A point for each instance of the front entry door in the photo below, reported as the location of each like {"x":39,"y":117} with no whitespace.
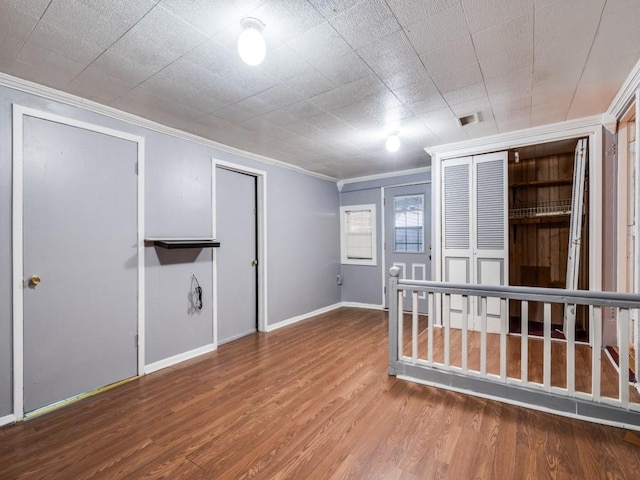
{"x":79,"y":259}
{"x":408,"y":236}
{"x":237,"y":260}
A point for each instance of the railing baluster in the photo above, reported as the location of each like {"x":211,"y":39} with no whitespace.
{"x":465,"y":328}
{"x":595,"y":325}
{"x":400,"y":324}
{"x":483,"y":335}
{"x":503,"y":339}
{"x":447,"y":322}
{"x":524,"y":341}
{"x":546,"y":359}
{"x":623,"y":356}
{"x":570,"y":333}
{"x":431,"y":314}
{"x":414,"y":327}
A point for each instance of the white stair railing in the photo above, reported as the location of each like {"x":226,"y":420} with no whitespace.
{"x":430,"y":355}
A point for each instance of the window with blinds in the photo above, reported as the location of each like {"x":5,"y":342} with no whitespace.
{"x":358,"y":234}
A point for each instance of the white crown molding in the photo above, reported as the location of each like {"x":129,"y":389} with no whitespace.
{"x":626,"y":93}
{"x":517,"y":138}
{"x":380,"y":176}
{"x":75,"y":101}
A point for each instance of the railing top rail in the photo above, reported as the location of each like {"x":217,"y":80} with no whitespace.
{"x":535,"y":294}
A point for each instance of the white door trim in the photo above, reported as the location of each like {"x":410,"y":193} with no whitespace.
{"x":261,"y":197}
{"x":585,"y":128}
{"x":19,"y":112}
{"x":383,"y":233}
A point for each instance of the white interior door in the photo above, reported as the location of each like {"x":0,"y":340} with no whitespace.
{"x":474,"y":229}
{"x":237,"y":258}
{"x":407,"y":243}
{"x":79,"y":261}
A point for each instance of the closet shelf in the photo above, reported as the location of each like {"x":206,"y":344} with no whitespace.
{"x":540,"y":212}
{"x":183,"y":242}
{"x":543,"y":183}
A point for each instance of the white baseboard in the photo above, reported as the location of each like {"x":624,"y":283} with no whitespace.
{"x":236,"y":337}
{"x":181,"y":357}
{"x":370,"y":306}
{"x":7,"y":419}
{"x":304,"y":316}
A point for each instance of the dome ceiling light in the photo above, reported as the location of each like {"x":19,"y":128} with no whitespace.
{"x":393,"y":142}
{"x":251,"y":45}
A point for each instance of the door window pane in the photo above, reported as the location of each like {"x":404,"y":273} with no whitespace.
{"x":409,"y":223}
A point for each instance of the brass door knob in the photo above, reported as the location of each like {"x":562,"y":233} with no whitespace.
{"x":254,"y":263}
{"x":34,"y":280}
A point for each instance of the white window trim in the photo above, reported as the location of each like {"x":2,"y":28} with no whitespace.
{"x":343,"y":235}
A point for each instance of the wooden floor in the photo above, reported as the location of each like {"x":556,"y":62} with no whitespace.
{"x":310,"y":401}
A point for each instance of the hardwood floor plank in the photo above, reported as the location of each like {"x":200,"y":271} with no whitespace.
{"x":310,"y":401}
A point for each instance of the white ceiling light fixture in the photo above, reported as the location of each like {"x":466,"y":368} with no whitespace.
{"x":393,"y":142}
{"x":251,"y":45}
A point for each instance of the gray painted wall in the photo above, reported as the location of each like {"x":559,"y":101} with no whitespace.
{"x":302,"y":237}
{"x":363,"y":283}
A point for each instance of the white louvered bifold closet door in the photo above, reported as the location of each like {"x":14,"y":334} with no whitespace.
{"x":490,"y":227}
{"x":474,"y":229}
{"x":456,"y":218}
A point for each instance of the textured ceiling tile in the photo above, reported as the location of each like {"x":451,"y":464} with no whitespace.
{"x":516,"y":59}
{"x":122,"y":68}
{"x":365,"y":23}
{"x":428,"y":104}
{"x":65,"y":43}
{"x":140,"y":50}
{"x":92,"y":80}
{"x":452,"y":56}
{"x":416,"y":92}
{"x":509,"y":100}
{"x":201,"y":100}
{"x":15,"y":22}
{"x":254,"y":106}
{"x":304,"y":109}
{"x":389,"y":52}
{"x":166,"y":31}
{"x":279,"y":96}
{"x":521,"y":79}
{"x":280,"y":117}
{"x":331,"y":8}
{"x":466,"y":94}
{"x":345,"y":69}
{"x":284,"y":63}
{"x":144,"y":96}
{"x":348,"y":94}
{"x":472,"y":106}
{"x":33,"y":8}
{"x":482,"y":14}
{"x":233,"y":114}
{"x":309,"y":83}
{"x":84,"y":22}
{"x":54,"y":69}
{"x":288,"y":18}
{"x":407,"y":73}
{"x":183,"y":74}
{"x":207,"y":16}
{"x":181,"y":111}
{"x":410,"y":11}
{"x":438,"y":30}
{"x":207,"y":123}
{"x":320,"y":45}
{"x":9,"y":48}
{"x":460,"y":78}
{"x":515,"y":34}
{"x":124,"y":11}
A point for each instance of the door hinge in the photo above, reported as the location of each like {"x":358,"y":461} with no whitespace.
{"x":137,"y":338}
{"x":136,"y":168}
{"x":385,"y":290}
